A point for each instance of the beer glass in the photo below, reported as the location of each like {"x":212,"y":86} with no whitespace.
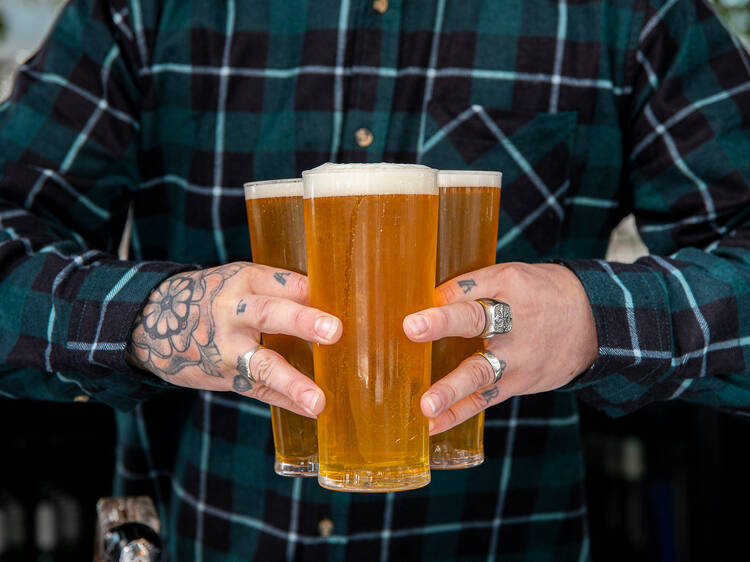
{"x":371,"y":232}
{"x":467,"y":238}
{"x":277,"y":237}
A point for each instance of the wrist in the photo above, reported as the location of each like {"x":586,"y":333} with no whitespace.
{"x":580,"y":317}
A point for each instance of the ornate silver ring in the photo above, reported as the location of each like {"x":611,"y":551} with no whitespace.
{"x":244,"y":363}
{"x":497,"y":366}
{"x":498,"y":318}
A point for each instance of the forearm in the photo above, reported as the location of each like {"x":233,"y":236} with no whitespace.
{"x":67,"y":314}
{"x":664,"y":325}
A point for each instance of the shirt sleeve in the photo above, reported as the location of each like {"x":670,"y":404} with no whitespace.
{"x":679,"y":325}
{"x":68,"y":164}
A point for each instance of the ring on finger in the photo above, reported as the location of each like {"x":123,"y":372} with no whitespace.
{"x":243,"y":365}
{"x":497,"y":365}
{"x":498,"y":318}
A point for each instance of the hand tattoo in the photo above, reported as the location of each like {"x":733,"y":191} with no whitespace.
{"x":241,"y":307}
{"x":281,"y":277}
{"x":467,"y":285}
{"x":241,"y":384}
{"x":490,"y":394}
{"x":176,"y":327}
{"x":241,"y":381}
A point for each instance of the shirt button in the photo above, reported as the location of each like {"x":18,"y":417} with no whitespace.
{"x":380,"y":6}
{"x":81,"y":398}
{"x":364,"y":137}
{"x":325,"y":527}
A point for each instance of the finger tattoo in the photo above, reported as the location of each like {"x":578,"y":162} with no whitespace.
{"x":490,"y":394}
{"x":467,"y":285}
{"x":243,"y":368}
{"x":241,"y":307}
{"x":281,"y":277}
{"x":241,"y":384}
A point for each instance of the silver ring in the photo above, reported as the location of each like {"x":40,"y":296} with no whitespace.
{"x":243,"y":364}
{"x":498,"y":318}
{"x":498,"y":366}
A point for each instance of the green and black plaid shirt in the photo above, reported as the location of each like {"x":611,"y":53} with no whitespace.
{"x":591,"y":109}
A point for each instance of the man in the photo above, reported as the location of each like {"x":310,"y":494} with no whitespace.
{"x":591,"y":110}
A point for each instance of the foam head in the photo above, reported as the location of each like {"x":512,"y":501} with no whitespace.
{"x":273,"y":188}
{"x":331,"y":180}
{"x":469,"y":178}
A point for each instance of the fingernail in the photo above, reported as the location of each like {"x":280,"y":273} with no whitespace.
{"x":325,"y":327}
{"x":310,"y":400}
{"x":417,"y":324}
{"x":434,"y":401}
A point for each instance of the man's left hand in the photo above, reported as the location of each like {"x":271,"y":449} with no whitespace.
{"x":553,"y":338}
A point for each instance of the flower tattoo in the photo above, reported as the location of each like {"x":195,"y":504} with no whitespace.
{"x":168,"y":308}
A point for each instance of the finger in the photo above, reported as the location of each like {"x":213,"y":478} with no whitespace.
{"x":254,"y":390}
{"x":469,"y":286}
{"x":472,"y":375}
{"x":462,"y":319}
{"x":489,"y":281}
{"x":269,"y":369}
{"x":469,"y":407}
{"x":278,"y":282}
{"x":274,"y":315}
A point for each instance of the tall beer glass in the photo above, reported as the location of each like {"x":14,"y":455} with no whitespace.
{"x":277,"y":236}
{"x":467,"y":238}
{"x":371,"y":232}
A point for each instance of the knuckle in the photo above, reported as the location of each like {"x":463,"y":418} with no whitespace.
{"x":440,"y":320}
{"x":448,"y":393}
{"x":476,"y":318}
{"x":515,"y":273}
{"x":451,"y":417}
{"x":480,"y":373}
{"x":263,"y":308}
{"x":302,"y":319}
{"x":294,"y":390}
{"x":299,"y":288}
{"x":264,"y":368}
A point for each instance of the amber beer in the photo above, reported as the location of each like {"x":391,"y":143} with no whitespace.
{"x":277,"y":237}
{"x":371,"y":232}
{"x":467,"y":238}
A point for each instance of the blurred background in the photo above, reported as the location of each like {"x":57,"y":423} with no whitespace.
{"x":664,"y":484}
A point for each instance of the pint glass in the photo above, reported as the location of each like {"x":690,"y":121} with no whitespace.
{"x":467,"y":237}
{"x":277,"y":237}
{"x":371,"y":232}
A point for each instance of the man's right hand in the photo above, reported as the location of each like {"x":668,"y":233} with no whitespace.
{"x":196,"y":326}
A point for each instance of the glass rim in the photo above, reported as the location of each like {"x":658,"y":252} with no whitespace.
{"x":497,"y":177}
{"x":370,"y":178}
{"x":369,"y":167}
{"x":270,"y":189}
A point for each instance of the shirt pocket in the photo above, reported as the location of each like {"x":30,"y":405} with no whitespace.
{"x":533,"y":151}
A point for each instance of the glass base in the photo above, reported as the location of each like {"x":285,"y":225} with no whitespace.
{"x":301,"y":467}
{"x":374,"y":480}
{"x":456,"y":459}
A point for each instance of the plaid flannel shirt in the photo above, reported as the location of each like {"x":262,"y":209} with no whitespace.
{"x":592,"y":110}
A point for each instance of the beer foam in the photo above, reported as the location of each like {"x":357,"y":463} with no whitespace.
{"x":469,"y":178}
{"x":273,"y":188}
{"x":329,"y":180}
